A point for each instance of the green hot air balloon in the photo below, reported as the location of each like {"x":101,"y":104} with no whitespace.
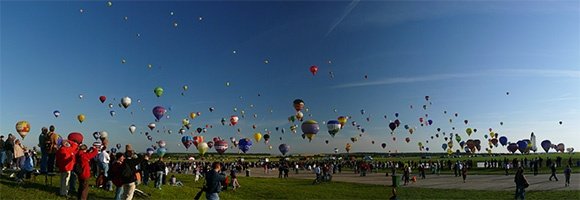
{"x":158,"y":91}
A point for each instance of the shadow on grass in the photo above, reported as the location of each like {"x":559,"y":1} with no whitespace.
{"x":28,"y":184}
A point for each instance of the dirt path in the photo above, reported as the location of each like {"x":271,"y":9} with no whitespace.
{"x":474,"y":182}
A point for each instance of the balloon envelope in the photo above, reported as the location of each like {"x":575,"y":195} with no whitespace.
{"x":202,"y":148}
{"x":503,"y":140}
{"x":284,"y":148}
{"x":245,"y":144}
{"x":221,"y":146}
{"x":333,"y":127}
{"x":158,"y":112}
{"x":22,"y":127}
{"x":546,"y":145}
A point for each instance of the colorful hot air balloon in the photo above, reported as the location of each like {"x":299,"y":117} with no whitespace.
{"x":310,"y":128}
{"x":126,"y":102}
{"x":158,"y":112}
{"x":342,"y":120}
{"x":197,"y":140}
{"x":347,"y":147}
{"x":234,"y":120}
{"x":22,"y":127}
{"x":187,"y":141}
{"x":313,"y":69}
{"x":245,"y":144}
{"x":158,"y":91}
{"x":333,"y":127}
{"x":284,"y":148}
{"x":298,"y":104}
{"x":81,"y":118}
{"x":102,"y":99}
{"x":221,"y":146}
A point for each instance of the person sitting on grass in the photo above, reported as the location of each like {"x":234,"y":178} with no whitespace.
{"x":174,"y":182}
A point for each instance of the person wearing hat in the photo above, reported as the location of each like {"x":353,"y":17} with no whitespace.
{"x":83,"y":158}
{"x":65,"y":160}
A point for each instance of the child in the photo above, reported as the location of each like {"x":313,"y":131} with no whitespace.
{"x":174,"y":182}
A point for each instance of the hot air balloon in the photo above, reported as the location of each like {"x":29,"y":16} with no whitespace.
{"x":126,"y":102}
{"x":22,"y":127}
{"x":266,"y":138}
{"x":313,"y":69}
{"x":384,"y":145}
{"x":221,"y":146}
{"x":151,"y":126}
{"x":522,"y":146}
{"x":202,"y":148}
{"x":392,"y":126}
{"x":234,"y":120}
{"x":284,"y":148}
{"x":158,"y":112}
{"x":161,"y":152}
{"x":494,"y":141}
{"x":102,"y":99}
{"x":197,"y":140}
{"x":546,"y":145}
{"x":310,"y":128}
{"x":408,"y":139}
{"x":81,"y":118}
{"x":298,"y":104}
{"x":210,"y":144}
{"x":258,"y":137}
{"x":503,"y":140}
{"x":444,"y":146}
{"x":342,"y":120}
{"x":299,"y":115}
{"x":396,"y":115}
{"x":56,"y":113}
{"x":335,"y":150}
{"x":468,"y":131}
{"x":132,"y":129}
{"x":411,"y":130}
{"x":245,"y":144}
{"x":187,"y":141}
{"x":347,"y":147}
{"x":560,"y":147}
{"x":75,"y":137}
{"x":353,"y":139}
{"x":158,"y":91}
{"x":333,"y":127}
{"x":112,"y":113}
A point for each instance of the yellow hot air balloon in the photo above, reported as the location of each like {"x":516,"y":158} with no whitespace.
{"x":258,"y":137}
{"x":449,"y":151}
{"x":192,"y":115}
{"x":492,"y":134}
{"x":22,"y":127}
{"x":342,"y":120}
{"x":347,"y":147}
{"x":81,"y":118}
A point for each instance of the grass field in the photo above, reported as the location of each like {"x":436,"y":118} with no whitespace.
{"x":271,"y":188}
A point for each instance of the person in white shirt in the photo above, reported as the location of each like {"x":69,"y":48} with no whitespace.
{"x":104,"y":160}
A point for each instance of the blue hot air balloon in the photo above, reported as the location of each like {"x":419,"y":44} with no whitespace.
{"x":245,"y":144}
{"x":161,"y":151}
{"x":546,"y":144}
{"x":522,"y":146}
{"x":284,"y":148}
{"x":503,"y":140}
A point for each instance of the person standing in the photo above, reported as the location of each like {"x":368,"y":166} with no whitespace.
{"x":567,"y":174}
{"x":159,"y":172}
{"x":18,"y":153}
{"x":213,"y":180}
{"x":44,"y":152}
{"x":553,"y":169}
{"x":2,"y":153}
{"x":51,"y":143}
{"x":521,"y":183}
{"x":65,"y":160}
{"x":234,"y":175}
{"x":9,"y":149}
{"x":83,"y":158}
{"x":464,"y":172}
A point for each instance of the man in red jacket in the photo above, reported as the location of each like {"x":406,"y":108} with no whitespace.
{"x":83,"y":158}
{"x":65,"y":160}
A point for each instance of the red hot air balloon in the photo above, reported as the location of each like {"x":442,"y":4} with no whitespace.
{"x":313,"y":69}
{"x":102,"y":99}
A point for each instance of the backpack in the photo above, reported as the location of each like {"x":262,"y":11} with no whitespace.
{"x":48,"y":142}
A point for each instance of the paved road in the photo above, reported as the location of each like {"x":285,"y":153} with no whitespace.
{"x":474,"y":182}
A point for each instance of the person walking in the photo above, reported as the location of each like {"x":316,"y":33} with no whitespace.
{"x":83,"y":158}
{"x":521,"y":183}
{"x":553,"y":169}
{"x":213,"y":180}
{"x":567,"y":174}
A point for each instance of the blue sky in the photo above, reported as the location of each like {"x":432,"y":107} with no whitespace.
{"x":464,"y":55}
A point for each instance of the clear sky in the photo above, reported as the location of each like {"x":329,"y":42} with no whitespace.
{"x":464,"y":55}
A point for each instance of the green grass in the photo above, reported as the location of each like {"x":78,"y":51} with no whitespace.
{"x":272,"y":188}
